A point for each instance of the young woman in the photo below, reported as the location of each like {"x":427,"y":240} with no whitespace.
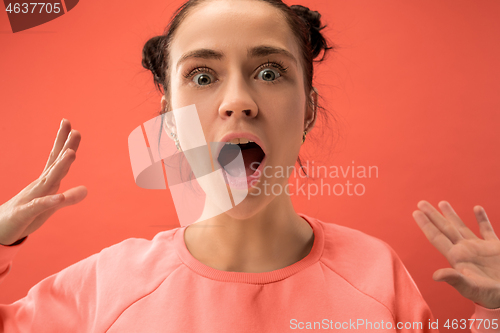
{"x":260,"y":266}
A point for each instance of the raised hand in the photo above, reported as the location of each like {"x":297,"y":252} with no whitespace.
{"x":30,"y":208}
{"x":475,"y":262}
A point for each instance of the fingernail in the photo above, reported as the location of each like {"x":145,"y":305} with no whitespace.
{"x":61,"y":122}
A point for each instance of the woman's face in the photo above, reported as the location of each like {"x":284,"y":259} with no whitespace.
{"x":237,"y":72}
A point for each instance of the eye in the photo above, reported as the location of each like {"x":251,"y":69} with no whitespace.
{"x":271,"y":71}
{"x":201,"y":76}
{"x":202,"y":79}
{"x":268,"y":74}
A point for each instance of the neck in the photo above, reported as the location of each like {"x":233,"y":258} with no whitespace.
{"x":273,"y":238}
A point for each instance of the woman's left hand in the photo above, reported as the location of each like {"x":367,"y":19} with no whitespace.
{"x":475,"y":262}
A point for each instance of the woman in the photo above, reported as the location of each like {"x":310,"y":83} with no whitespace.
{"x":260,"y":266}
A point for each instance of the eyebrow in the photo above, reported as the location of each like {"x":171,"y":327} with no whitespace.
{"x":255,"y":52}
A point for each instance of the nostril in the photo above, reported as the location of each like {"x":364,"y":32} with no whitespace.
{"x":246,"y":112}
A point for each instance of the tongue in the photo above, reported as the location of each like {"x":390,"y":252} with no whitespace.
{"x":252,"y":158}
{"x":250,"y":155}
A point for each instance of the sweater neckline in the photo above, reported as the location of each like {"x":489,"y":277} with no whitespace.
{"x":252,"y":278}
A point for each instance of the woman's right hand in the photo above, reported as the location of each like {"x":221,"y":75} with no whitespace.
{"x":30,"y":208}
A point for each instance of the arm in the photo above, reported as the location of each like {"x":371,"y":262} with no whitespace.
{"x":66,"y":301}
{"x":408,"y":304}
{"x":7,"y":254}
{"x":62,"y":302}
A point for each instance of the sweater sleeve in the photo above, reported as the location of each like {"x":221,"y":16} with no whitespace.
{"x":62,"y":302}
{"x":7,"y":254}
{"x":485,"y":320}
{"x":372,"y":267}
{"x":409,"y":306}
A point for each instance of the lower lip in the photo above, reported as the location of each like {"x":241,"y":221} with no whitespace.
{"x":248,"y":182}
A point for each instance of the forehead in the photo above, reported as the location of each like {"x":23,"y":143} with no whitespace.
{"x":233,"y":26}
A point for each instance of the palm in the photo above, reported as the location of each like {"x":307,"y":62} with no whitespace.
{"x":475,"y":262}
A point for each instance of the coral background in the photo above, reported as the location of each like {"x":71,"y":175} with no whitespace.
{"x":413,"y":86}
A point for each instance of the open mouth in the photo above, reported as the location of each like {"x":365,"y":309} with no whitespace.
{"x":252,"y":157}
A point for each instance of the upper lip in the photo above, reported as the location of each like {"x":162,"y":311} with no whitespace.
{"x":228,"y":137}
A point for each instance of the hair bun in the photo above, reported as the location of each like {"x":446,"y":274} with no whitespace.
{"x":312,"y":19}
{"x":153,"y":58}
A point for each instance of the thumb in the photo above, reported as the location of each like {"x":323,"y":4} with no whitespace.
{"x":74,"y":195}
{"x":450,"y":276}
{"x":22,"y":216}
{"x":466,"y":286}
{"x":30,"y":210}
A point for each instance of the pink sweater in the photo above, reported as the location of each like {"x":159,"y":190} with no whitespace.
{"x":349,"y":281}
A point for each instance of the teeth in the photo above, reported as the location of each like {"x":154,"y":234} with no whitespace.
{"x":236,"y":141}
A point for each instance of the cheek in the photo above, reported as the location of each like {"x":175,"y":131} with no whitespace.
{"x":182,"y":94}
{"x":286,"y":119}
{"x":287,"y":112}
{"x":204,"y":100}
{"x":179,"y":95}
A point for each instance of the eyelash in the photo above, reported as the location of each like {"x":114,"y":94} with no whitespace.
{"x":204,"y":69}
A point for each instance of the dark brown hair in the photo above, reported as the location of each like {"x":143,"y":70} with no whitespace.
{"x":304,"y":23}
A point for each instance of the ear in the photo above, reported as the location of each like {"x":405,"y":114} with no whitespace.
{"x":311,"y":110}
{"x":168,"y":119}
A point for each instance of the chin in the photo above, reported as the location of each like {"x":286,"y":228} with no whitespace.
{"x":248,"y":207}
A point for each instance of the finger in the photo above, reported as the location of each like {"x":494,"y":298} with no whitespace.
{"x":485,"y":227}
{"x":433,"y":234}
{"x":25,"y":214}
{"x":460,"y":282}
{"x":448,"y":275}
{"x":74,"y":196}
{"x":50,"y":182}
{"x":71,"y":197}
{"x":464,"y":284}
{"x":72,"y":142}
{"x":62,"y":135}
{"x":37,"y":188}
{"x":61,"y":169}
{"x":445,"y":226}
{"x":452,"y":216}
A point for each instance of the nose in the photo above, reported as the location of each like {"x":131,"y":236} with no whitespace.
{"x":238,"y":101}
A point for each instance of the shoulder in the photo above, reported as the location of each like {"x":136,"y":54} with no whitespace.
{"x":343,"y":244}
{"x":369,"y":265}
{"x":357,"y":255}
{"x":129,"y":269}
{"x":132,"y":253}
{"x":118,"y":274}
